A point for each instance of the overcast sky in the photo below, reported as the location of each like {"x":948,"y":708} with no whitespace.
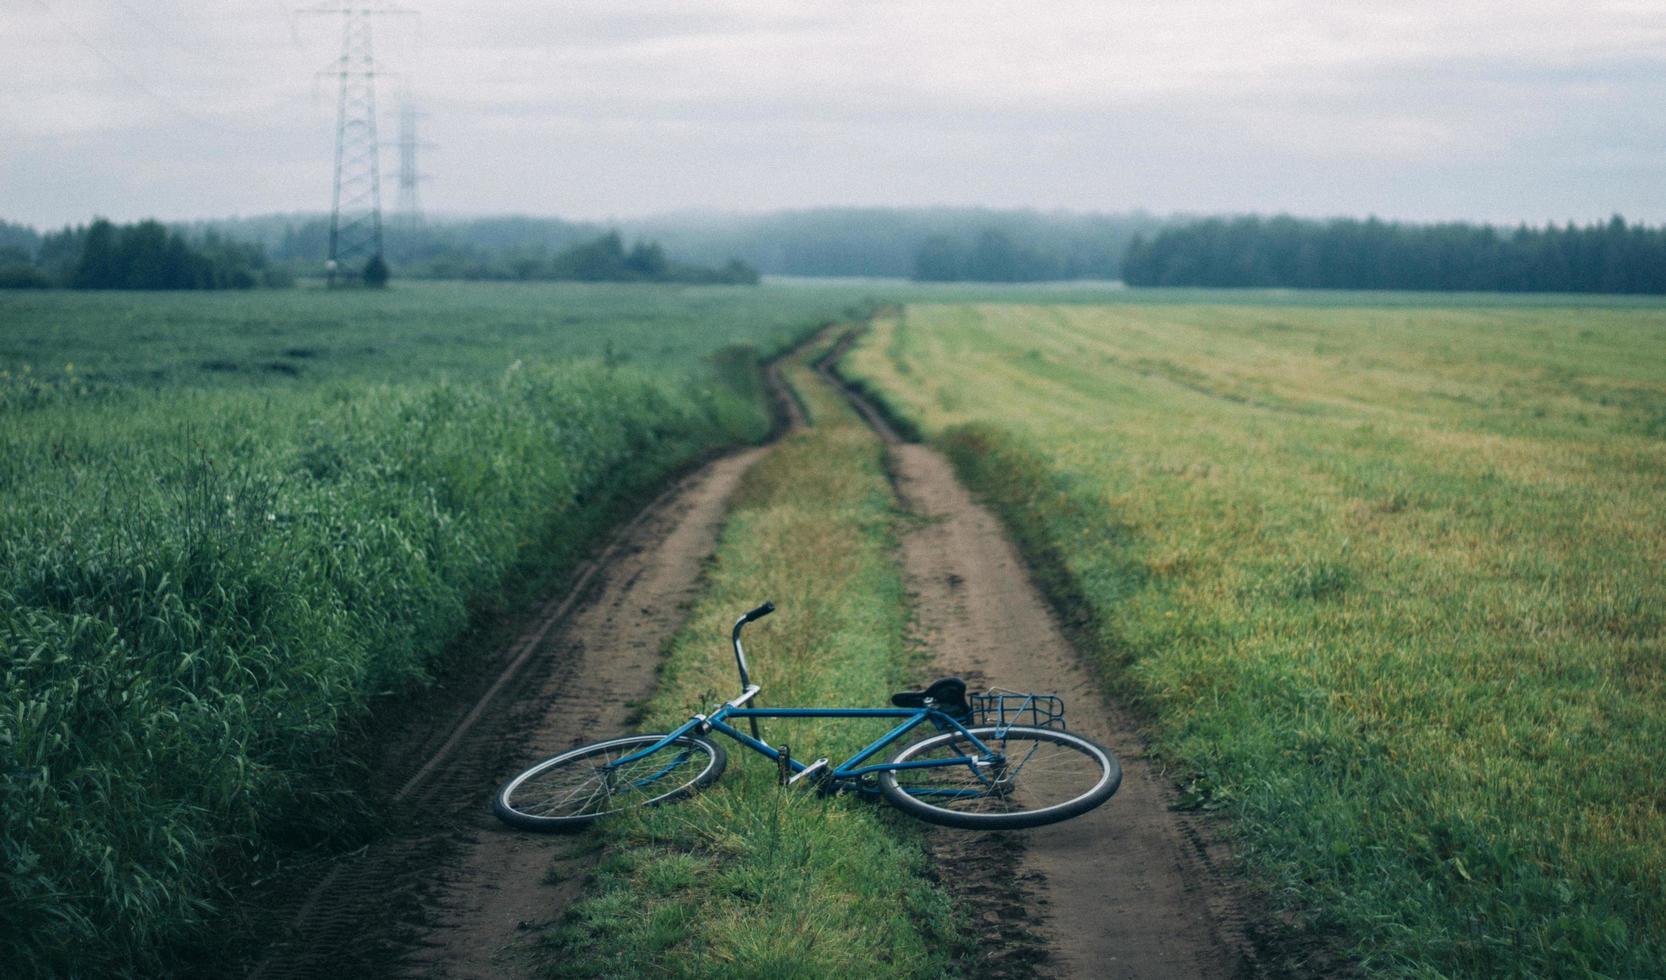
{"x":1531,"y":110}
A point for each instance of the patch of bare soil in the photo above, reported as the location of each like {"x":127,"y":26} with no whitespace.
{"x":1132,"y":889}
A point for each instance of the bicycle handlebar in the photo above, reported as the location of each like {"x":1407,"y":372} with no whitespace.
{"x":734,"y":638}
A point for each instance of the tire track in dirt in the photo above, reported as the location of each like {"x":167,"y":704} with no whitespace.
{"x":448,"y":890}
{"x":506,"y":880}
{"x":1130,"y":890}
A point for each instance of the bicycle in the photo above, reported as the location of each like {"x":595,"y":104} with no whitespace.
{"x":982,"y":770}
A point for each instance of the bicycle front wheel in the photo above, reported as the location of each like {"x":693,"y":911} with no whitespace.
{"x":1040,"y":776}
{"x":581,"y":785}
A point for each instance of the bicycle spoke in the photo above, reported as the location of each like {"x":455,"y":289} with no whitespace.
{"x":594,"y":785}
{"x":1034,"y":774}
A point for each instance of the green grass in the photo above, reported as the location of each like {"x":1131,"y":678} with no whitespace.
{"x":1385,"y":579}
{"x":747,"y":879}
{"x":228,"y":523}
{"x":204,"y":587}
{"x":411,"y":331}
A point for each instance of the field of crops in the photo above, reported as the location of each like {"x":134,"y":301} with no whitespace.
{"x":1385,"y":579}
{"x":228,"y":523}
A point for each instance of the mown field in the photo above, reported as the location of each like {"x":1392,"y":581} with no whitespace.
{"x":229,"y":523}
{"x":1384,"y":576}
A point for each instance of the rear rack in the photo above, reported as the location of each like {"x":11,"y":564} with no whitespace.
{"x":1005,"y":708}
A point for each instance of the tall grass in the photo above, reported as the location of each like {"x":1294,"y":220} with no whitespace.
{"x":747,"y":878}
{"x":200,"y":592}
{"x":1386,"y":581}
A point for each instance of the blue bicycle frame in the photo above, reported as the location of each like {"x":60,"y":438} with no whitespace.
{"x":852,"y":768}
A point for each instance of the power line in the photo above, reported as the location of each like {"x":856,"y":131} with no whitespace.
{"x":128,"y":75}
{"x":156,"y":29}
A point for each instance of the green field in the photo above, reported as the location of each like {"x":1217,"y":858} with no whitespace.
{"x":1381,"y":571}
{"x":465,"y":332}
{"x":210,"y":567}
{"x":1384,"y":578}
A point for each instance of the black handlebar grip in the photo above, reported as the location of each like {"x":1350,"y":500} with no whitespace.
{"x":759,"y":613}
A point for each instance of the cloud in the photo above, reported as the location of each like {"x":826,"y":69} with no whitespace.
{"x":625,"y":106}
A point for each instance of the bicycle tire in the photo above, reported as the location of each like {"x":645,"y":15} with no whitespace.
{"x":570,"y":791}
{"x":1052,"y":776}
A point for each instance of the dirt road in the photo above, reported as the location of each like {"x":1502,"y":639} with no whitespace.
{"x":449,"y":894}
{"x":608,"y":651}
{"x":1129,"y":890}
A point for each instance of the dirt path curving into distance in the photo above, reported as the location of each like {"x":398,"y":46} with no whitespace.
{"x":449,"y":890}
{"x":1130,"y":890}
{"x":1127,"y":891}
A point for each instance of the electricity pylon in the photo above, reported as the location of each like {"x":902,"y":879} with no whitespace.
{"x":356,"y":200}
{"x":410,"y":210}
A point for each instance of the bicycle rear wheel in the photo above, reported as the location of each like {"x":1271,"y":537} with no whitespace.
{"x":576,"y":787}
{"x":1043,"y":776}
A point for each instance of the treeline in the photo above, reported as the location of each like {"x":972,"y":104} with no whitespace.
{"x":606,"y":259}
{"x":488,"y":248}
{"x":239,"y":254}
{"x":927,"y":244}
{"x":994,"y":257}
{"x":869,"y":242}
{"x":509,"y":248}
{"x":145,"y":255}
{"x":1284,"y":252}
{"x":888,"y":242}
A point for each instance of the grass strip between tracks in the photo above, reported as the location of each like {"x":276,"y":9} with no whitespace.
{"x":748,"y":879}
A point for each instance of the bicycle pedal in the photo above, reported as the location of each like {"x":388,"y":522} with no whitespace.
{"x":815,"y":770}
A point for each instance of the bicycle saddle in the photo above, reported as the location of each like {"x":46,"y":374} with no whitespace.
{"x":947,"y":695}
